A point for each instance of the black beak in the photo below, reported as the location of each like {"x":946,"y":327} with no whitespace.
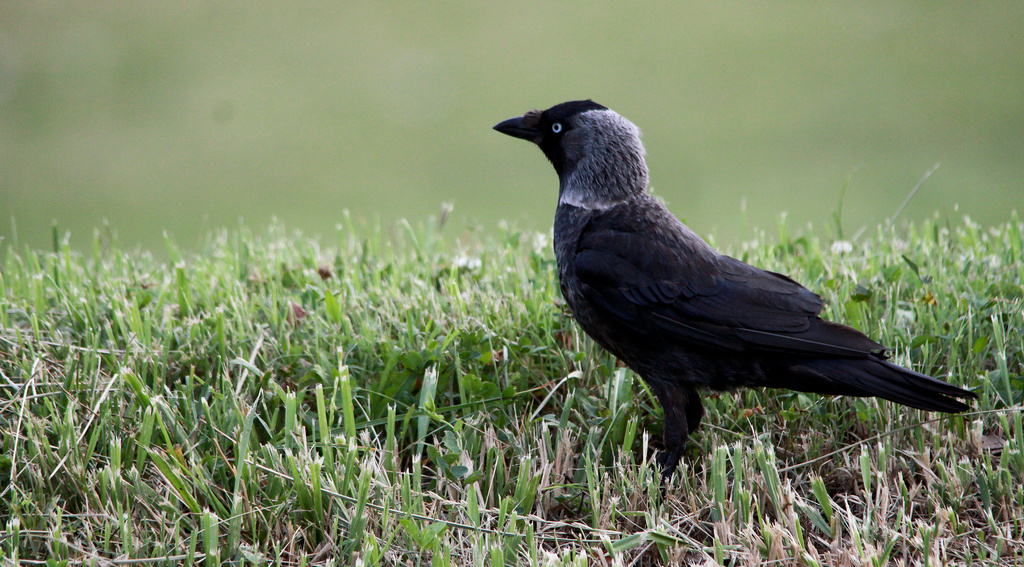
{"x":514,"y":127}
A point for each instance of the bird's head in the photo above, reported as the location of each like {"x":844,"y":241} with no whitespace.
{"x":597,"y":154}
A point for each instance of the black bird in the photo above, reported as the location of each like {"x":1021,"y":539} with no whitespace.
{"x":675,"y":310}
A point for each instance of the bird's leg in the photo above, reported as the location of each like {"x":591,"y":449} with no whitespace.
{"x":683,"y":412}
{"x":694,"y":410}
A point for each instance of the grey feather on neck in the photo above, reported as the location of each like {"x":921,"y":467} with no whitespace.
{"x":607,"y":159}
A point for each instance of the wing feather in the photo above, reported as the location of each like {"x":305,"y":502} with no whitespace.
{"x":654,"y":281}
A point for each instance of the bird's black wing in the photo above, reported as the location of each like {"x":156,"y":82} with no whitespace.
{"x":655,"y":276}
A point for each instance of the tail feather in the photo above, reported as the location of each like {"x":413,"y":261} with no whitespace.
{"x":876,"y":377}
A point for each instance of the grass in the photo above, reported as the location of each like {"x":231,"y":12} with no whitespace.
{"x":403,"y":396}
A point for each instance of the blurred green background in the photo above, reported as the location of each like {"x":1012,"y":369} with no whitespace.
{"x":189,"y":116}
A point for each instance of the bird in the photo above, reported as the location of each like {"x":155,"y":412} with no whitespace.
{"x":682,"y":315}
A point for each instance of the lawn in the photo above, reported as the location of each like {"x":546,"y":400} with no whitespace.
{"x":417,"y":395}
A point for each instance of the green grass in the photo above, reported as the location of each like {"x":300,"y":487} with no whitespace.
{"x":404,"y":396}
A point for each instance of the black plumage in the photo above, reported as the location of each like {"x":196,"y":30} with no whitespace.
{"x":676,"y":311}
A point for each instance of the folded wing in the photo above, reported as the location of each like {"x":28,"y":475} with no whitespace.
{"x":651,"y":285}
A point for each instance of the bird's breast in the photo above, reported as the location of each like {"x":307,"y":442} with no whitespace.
{"x":569,"y":224}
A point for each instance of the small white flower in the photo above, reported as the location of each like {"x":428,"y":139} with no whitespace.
{"x":541,"y":242}
{"x":467,"y":262}
{"x":842,"y":247}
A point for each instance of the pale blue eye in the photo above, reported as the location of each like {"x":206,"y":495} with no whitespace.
{"x":556,"y":127}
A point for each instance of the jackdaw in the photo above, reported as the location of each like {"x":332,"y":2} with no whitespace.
{"x":676,"y":311}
